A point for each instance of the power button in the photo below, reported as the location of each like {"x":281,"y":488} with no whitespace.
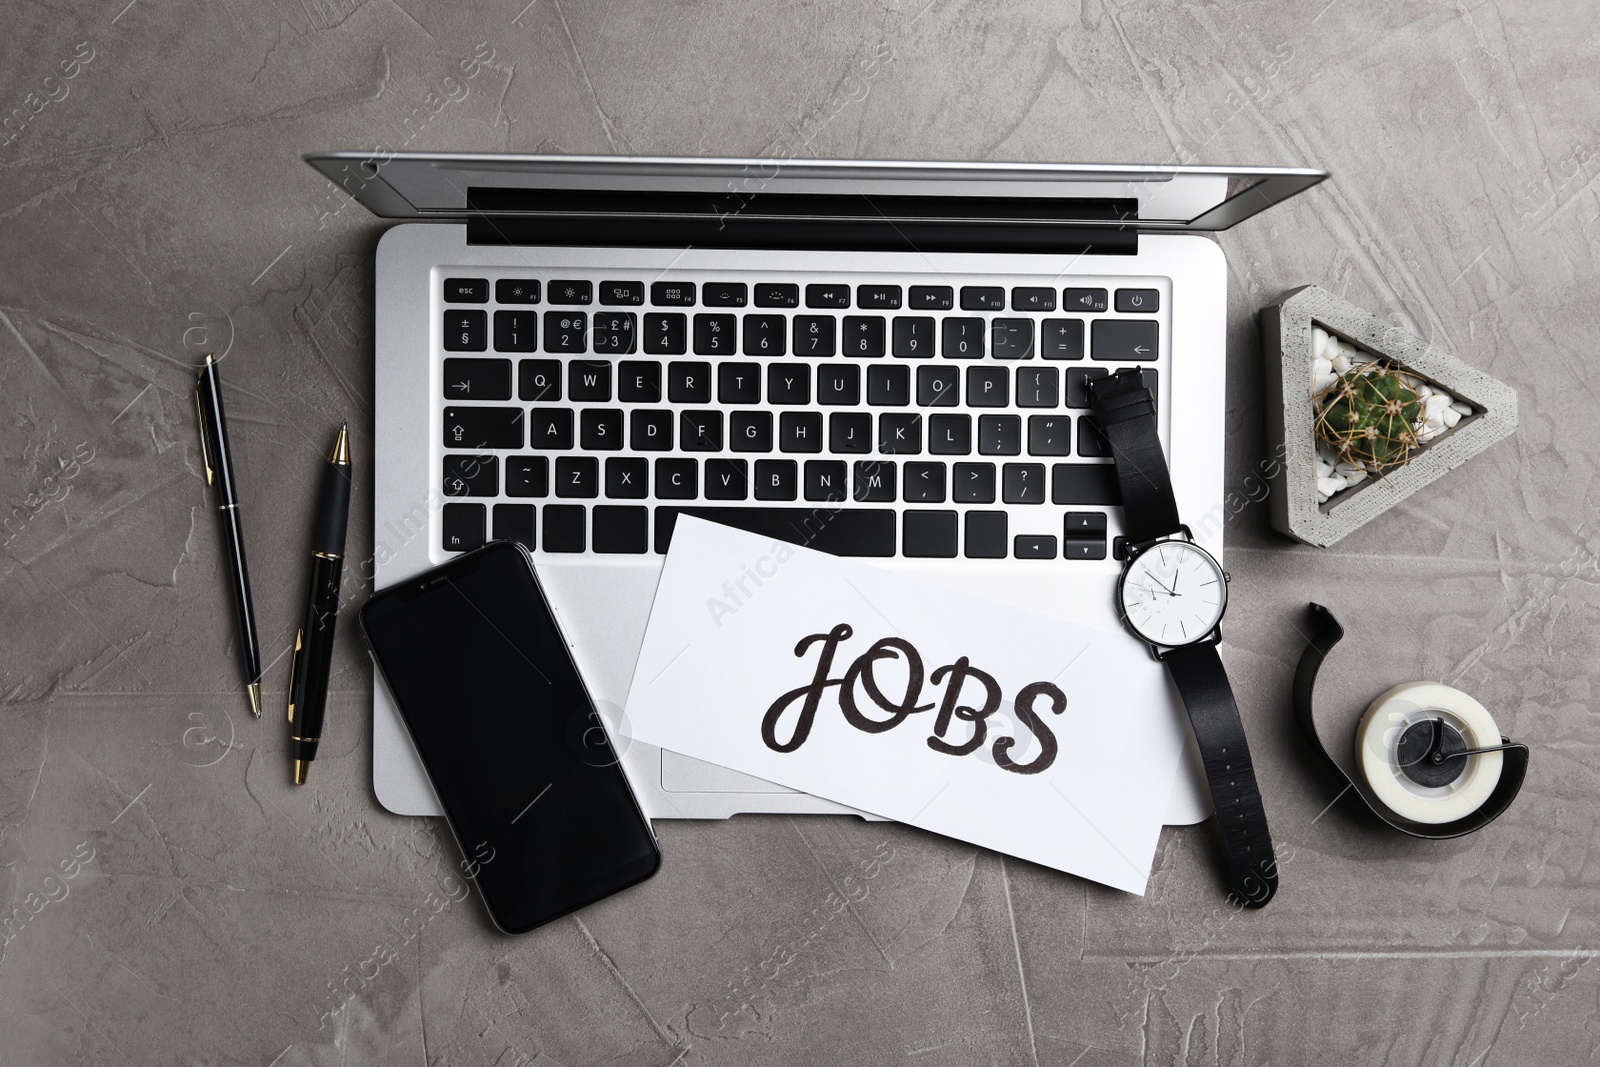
{"x":1139,"y":300}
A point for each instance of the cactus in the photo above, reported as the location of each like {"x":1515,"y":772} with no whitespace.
{"x":1370,"y":416}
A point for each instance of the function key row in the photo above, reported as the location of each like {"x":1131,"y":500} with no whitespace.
{"x":871,"y":296}
{"x":626,"y":529}
{"x":671,"y":333}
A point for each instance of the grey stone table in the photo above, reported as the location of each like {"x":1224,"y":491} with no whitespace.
{"x":153,"y":205}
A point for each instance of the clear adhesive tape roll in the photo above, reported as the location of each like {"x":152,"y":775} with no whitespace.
{"x":1378,"y":744}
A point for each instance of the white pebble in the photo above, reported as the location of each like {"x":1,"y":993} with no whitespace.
{"x":1341,"y":363}
{"x":1462,"y":407}
{"x":1446,"y":397}
{"x":1345,"y":468}
{"x":1320,"y":382}
{"x":1424,"y":390}
{"x":1322,"y":498}
{"x":1355,"y":479}
{"x":1324,"y":468}
{"x":1326,"y":487}
{"x":1451,"y":416}
{"x":1433,"y":405}
{"x":1319,"y":341}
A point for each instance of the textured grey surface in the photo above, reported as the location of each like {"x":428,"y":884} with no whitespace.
{"x":157,"y":206}
{"x":1286,"y":326}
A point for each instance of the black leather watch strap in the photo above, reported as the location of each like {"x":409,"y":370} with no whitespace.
{"x":1242,"y":821}
{"x":1125,"y":411}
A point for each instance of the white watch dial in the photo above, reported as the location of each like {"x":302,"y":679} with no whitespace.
{"x":1173,"y":593}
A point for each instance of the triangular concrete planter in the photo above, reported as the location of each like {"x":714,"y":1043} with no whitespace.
{"x":1286,"y":350}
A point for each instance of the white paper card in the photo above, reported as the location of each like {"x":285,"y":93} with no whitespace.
{"x":1081,"y":788}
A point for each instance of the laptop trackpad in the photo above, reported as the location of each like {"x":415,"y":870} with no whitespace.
{"x":685,"y":774}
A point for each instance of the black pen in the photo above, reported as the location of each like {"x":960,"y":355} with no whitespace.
{"x":313,"y":645}
{"x":218,"y":459}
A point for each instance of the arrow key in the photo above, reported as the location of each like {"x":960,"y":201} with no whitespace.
{"x":1133,"y":340}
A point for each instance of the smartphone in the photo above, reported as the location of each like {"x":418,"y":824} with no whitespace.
{"x":517,"y":752}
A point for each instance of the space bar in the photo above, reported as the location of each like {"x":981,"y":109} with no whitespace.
{"x":842,"y":531}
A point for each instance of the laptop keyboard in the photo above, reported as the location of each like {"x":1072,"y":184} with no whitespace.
{"x":914,"y":418}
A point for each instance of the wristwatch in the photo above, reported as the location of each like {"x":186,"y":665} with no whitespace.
{"x":1172,"y":594}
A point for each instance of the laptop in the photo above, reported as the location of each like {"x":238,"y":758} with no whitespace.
{"x":875,"y":359}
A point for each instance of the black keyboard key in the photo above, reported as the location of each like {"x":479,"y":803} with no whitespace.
{"x":986,"y":535}
{"x":639,"y":382}
{"x":600,"y":429}
{"x":1138,"y":301}
{"x":950,"y":435}
{"x":651,"y":430}
{"x":666,"y":334}
{"x":1061,"y":339}
{"x":738,"y":383}
{"x":839,"y":384}
{"x":477,"y":379}
{"x":689,"y":383}
{"x":471,"y":476}
{"x":539,"y":379}
{"x":988,"y":387}
{"x":677,"y":479}
{"x":515,"y":522}
{"x":570,"y":292}
{"x":924,"y":484}
{"x":577,"y":476}
{"x":983,"y":298}
{"x":1078,"y":384}
{"x":972,"y":483}
{"x":900,"y":434}
{"x":516,"y":291}
{"x":724,"y":294}
{"x":1091,"y":524}
{"x":863,"y":336}
{"x":466,"y":331}
{"x":715,"y":335}
{"x":672,"y":294}
{"x":777,"y":479}
{"x":1011,"y":338}
{"x":1091,"y":442}
{"x":932,"y":298}
{"x":1081,"y":549}
{"x":999,"y":435}
{"x":1022,"y":483}
{"x":800,"y":431}
{"x":913,"y":337}
{"x":1035,"y":547}
{"x":750,"y":431}
{"x":621,"y":528}
{"x":1049,"y":435}
{"x":621,"y":294}
{"x":813,"y":335}
{"x":963,"y":338}
{"x":938,"y":386}
{"x":483,"y":428}
{"x":1124,"y":339}
{"x":727,"y":479}
{"x":889,"y":386}
{"x":827,"y":296}
{"x":1033,"y":299}
{"x":613,"y":332}
{"x":826,"y":479}
{"x":1038,"y":387}
{"x":466,"y":290}
{"x":789,"y":383}
{"x":527,"y":476}
{"x":627,"y":478}
{"x":874,"y":481}
{"x":550,"y":429}
{"x":1085,"y":483}
{"x":700,"y":431}
{"x":878,"y":296}
{"x":1083,"y":300}
{"x":564,"y":528}
{"x":462,"y":527}
{"x":516,"y":331}
{"x":928,"y":534}
{"x":589,"y":380}
{"x":842,"y":532}
{"x":850,"y":432}
{"x":777,"y":295}
{"x":566,"y":331}
{"x":764,"y":335}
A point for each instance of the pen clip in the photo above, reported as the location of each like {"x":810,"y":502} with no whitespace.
{"x":294,"y":671}
{"x":205,"y":436}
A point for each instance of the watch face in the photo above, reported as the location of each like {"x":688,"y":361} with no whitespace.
{"x":1173,"y":593}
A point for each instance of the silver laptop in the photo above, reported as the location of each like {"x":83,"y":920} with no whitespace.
{"x":874,"y":359}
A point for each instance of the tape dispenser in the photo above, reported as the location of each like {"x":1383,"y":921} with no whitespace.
{"x":1428,"y":760}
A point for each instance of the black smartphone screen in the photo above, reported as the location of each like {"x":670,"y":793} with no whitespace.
{"x":509,"y":736}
